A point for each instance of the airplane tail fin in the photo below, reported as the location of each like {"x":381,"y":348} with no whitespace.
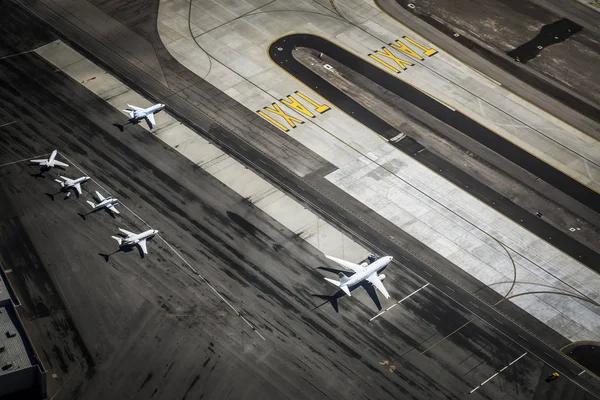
{"x":130,"y":112}
{"x":91,"y":204}
{"x":333,"y":282}
{"x":118,"y":239}
{"x":340,"y":284}
{"x":343,"y":278}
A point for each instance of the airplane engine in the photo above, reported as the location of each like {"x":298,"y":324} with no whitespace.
{"x":381,"y":277}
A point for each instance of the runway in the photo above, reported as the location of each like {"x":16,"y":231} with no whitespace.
{"x":153,"y":323}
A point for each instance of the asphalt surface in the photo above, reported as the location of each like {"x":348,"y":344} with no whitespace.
{"x":511,"y":79}
{"x":336,"y":353}
{"x":571,"y":84}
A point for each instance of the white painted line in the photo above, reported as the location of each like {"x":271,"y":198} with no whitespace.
{"x":172,"y":249}
{"x":490,"y":378}
{"x":493,"y":376}
{"x":8,"y":271}
{"x":422,"y":287}
{"x":581,"y":373}
{"x":450,"y":288}
{"x":427,"y":273}
{"x":8,"y":123}
{"x":497,"y":320}
{"x":473,"y":304}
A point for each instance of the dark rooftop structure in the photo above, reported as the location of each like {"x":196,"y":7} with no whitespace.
{"x":22,"y":375}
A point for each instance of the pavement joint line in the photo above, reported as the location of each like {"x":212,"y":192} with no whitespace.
{"x":17,"y":54}
{"x":493,"y":376}
{"x":522,"y":337}
{"x":173,"y":250}
{"x":8,"y":123}
{"x":447,"y":336}
{"x":473,"y":304}
{"x":394,"y":305}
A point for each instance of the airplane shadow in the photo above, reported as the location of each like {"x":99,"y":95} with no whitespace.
{"x":123,"y":249}
{"x":334,"y":299}
{"x":122,"y":126}
{"x":83,"y":216}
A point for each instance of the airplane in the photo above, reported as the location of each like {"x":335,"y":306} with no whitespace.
{"x":67,"y":184}
{"x":50,"y":162}
{"x":363,"y":272}
{"x":135,"y":239}
{"x":137,"y":114}
{"x":108,"y":203}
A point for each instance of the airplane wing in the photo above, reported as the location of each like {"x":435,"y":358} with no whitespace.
{"x":150,"y":120}
{"x":38,"y":161}
{"x":60,"y":164}
{"x":375,"y":281}
{"x":77,"y":187}
{"x":127,"y":232}
{"x":337,"y":271}
{"x":134,"y":107}
{"x":99,"y":196}
{"x":113,"y":209}
{"x":346,"y":264}
{"x":142,"y":244}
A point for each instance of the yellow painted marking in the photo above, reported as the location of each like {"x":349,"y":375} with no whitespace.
{"x":379,"y":60}
{"x":427,"y":52}
{"x":271,"y":120}
{"x":277,"y":110}
{"x":392,"y":368}
{"x":295,"y":105}
{"x":388,"y":54}
{"x":320,"y":108}
{"x":406,"y":50}
{"x":384,"y":362}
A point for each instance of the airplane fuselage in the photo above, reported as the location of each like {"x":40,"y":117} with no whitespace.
{"x":374,"y":267}
{"x":108,"y":202}
{"x":52,"y":157}
{"x":135,"y":239}
{"x":141,"y":114}
{"x":69,"y":183}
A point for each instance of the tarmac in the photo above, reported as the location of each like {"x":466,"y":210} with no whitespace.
{"x":149,"y":321}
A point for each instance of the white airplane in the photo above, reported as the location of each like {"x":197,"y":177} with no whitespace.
{"x":137,"y":114}
{"x":67,"y":184}
{"x":50,"y":162}
{"x":135,"y":239}
{"x":362,"y":272}
{"x":104,"y":202}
